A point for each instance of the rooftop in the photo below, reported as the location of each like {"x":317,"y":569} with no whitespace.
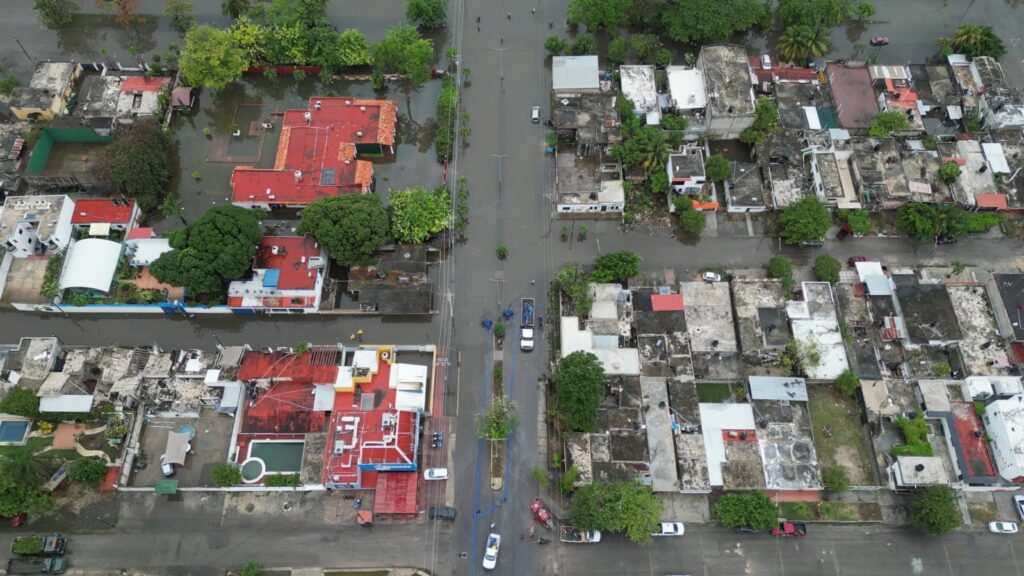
{"x":981,"y":346}
{"x":815,"y":320}
{"x":48,"y":79}
{"x":587,"y":179}
{"x":570,"y":73}
{"x":1011,"y":292}
{"x":881,"y":173}
{"x":731,"y":444}
{"x":760,"y":316}
{"x":787,"y":448}
{"x":687,"y":88}
{"x":43,"y":211}
{"x":103,"y":211}
{"x":591,"y":119}
{"x":927,"y":310}
{"x":794,"y":99}
{"x":853,"y":94}
{"x":685,"y":164}
{"x":912,"y":471}
{"x":287,"y":272}
{"x":728,"y":80}
{"x":975,"y":176}
{"x":638,"y":86}
{"x":709,"y":316}
{"x":744,"y":188}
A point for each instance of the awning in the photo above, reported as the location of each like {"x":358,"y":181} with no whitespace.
{"x":77,"y":403}
{"x":90,"y":263}
{"x":166,"y":487}
{"x":99,"y":229}
{"x":177,"y":448}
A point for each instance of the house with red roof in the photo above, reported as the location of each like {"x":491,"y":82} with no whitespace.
{"x":102,"y":215}
{"x":319,"y":153}
{"x":287,"y":276}
{"x":107,"y":100}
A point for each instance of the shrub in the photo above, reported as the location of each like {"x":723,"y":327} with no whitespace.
{"x":20,"y":402}
{"x":915,"y":432}
{"x":501,"y":251}
{"x":859,"y":220}
{"x":834,"y":478}
{"x":949,"y":172}
{"x":225,"y":475}
{"x":692,"y":221}
{"x":87,"y":471}
{"x":746,"y":509}
{"x":826,"y":268}
{"x":281,"y":480}
{"x":848,"y":383}
{"x":781,"y":268}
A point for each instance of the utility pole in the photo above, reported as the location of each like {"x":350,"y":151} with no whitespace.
{"x":30,"y":60}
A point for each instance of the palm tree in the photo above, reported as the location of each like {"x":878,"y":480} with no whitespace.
{"x":172,"y":206}
{"x":25,"y":467}
{"x":800,"y":42}
{"x":234,"y":8}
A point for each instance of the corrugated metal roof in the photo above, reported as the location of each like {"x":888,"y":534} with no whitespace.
{"x":574,"y":73}
{"x":781,"y":388}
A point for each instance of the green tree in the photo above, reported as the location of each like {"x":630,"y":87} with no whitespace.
{"x":692,"y":221}
{"x":216,"y":248}
{"x":17,"y":497}
{"x":835,"y":479}
{"x":403,"y":51}
{"x":138,"y":163}
{"x":353,"y":49}
{"x":498,"y":420}
{"x":798,"y":357}
{"x":427,"y":13}
{"x":418,"y":213}
{"x":583,"y":44}
{"x":594,"y":14}
{"x":828,"y":13}
{"x":616,"y":267}
{"x":210,"y":58}
{"x":826,"y":268}
{"x":670,"y":122}
{"x":864,"y":10}
{"x":56,"y":13}
{"x":949,"y":172}
{"x":804,"y":222}
{"x":800,"y":42}
{"x":848,"y":383}
{"x":628,"y":507}
{"x":935,"y":510}
{"x":973,"y":40}
{"x":703,"y":21}
{"x":25,"y":467}
{"x":20,"y":401}
{"x":753,"y":509}
{"x":226,"y":475}
{"x":766,"y":118}
{"x":579,"y":384}
{"x":618,"y":50}
{"x":859,"y":220}
{"x":172,"y":206}
{"x":717,"y":168}
{"x":920,"y":221}
{"x":645,"y":45}
{"x":87,"y":470}
{"x":352,"y":227}
{"x":642,"y":146}
{"x":886,"y":124}
{"x":252,"y":568}
{"x":234,"y":8}
{"x":180,"y":13}
{"x":555,"y":45}
{"x":781,"y":268}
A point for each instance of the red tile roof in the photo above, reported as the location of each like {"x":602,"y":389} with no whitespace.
{"x":853,"y":94}
{"x":143,"y":84}
{"x":140,"y":233}
{"x":666,"y":302}
{"x":396,"y":493}
{"x":997,"y":201}
{"x":102,"y":211}
{"x":290,"y":260}
{"x":355,"y":120}
{"x":295,"y":367}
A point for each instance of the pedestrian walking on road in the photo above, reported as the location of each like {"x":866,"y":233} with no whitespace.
{"x":359,"y":334}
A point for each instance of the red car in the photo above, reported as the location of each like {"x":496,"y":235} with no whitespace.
{"x":854,"y":259}
{"x":880,"y":41}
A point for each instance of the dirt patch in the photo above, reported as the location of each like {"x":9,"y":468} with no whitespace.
{"x":838,"y":434}
{"x":983,"y":512}
{"x":497,"y":463}
{"x":832,"y":511}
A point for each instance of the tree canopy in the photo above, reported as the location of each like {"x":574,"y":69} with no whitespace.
{"x":628,"y":507}
{"x":17,"y":497}
{"x":973,"y":40}
{"x":701,"y":21}
{"x":138,"y":163}
{"x":717,"y":168}
{"x":804,"y":222}
{"x":949,"y":172}
{"x":418,"y":213}
{"x":498,"y":420}
{"x":886,"y":124}
{"x":56,"y":13}
{"x":87,"y":470}
{"x":935,"y":510}
{"x":211,"y":251}
{"x":766,"y":118}
{"x":210,"y":58}
{"x":641,"y":145}
{"x":800,"y":42}
{"x":403,"y":51}
{"x":427,"y":13}
{"x":579,"y":384}
{"x":692,"y":221}
{"x":753,"y":509}
{"x":780,"y":267}
{"x":24,"y":466}
{"x":848,"y":383}
{"x":859,"y":220}
{"x":616,"y":267}
{"x":928,"y":222}
{"x":594,"y":14}
{"x":826,"y":268}
{"x":352,"y":227}
{"x":20,"y":401}
{"x":828,"y":13}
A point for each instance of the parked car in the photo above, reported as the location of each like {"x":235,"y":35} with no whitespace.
{"x":535,"y":114}
{"x":746,"y":530}
{"x":1018,"y":501}
{"x":880,"y":41}
{"x":1002,"y":527}
{"x":442,"y":513}
{"x":766,"y":62}
{"x":711,"y":277}
{"x":166,"y":467}
{"x":844,"y":232}
{"x":435,"y":474}
{"x":670,"y":529}
{"x":852,"y":261}
{"x":491,"y":552}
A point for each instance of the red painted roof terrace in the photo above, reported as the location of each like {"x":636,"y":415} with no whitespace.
{"x":103,"y":211}
{"x":143,"y":84}
{"x":355,"y":120}
{"x":289,"y":255}
{"x":295,"y":368}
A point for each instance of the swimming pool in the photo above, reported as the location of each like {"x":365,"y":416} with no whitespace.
{"x":278,"y":457}
{"x":14,"y":431}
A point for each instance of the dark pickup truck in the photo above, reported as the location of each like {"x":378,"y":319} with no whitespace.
{"x":48,"y":545}
{"x":36,"y":565}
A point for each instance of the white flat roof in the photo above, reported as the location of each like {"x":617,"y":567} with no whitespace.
{"x":616,"y":361}
{"x":713,"y":419}
{"x":145,"y":251}
{"x":66,"y":403}
{"x":826,"y":335}
{"x":638,"y":85}
{"x":687,"y":88}
{"x":575,"y":73}
{"x":780,"y":388}
{"x":91,"y":263}
{"x":996,"y":159}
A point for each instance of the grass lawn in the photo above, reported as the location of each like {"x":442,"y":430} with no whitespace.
{"x":825,"y":511}
{"x":713,"y":393}
{"x":33,"y":445}
{"x":838,"y":435}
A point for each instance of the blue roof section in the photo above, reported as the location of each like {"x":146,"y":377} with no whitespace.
{"x":270,"y":278}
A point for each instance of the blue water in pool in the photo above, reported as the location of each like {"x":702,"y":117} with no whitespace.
{"x":13,"y":430}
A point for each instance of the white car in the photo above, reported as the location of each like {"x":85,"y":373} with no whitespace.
{"x":166,"y":467}
{"x":1002,"y":527}
{"x":435,"y":474}
{"x":670,"y":529}
{"x":491,"y":553}
{"x":535,"y":114}
{"x":1018,"y":501}
{"x":766,"y":62}
{"x":711,"y":277}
